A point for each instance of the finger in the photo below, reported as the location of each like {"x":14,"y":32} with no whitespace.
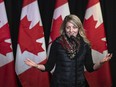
{"x":111,"y":54}
{"x":29,"y":60}
{"x":29,"y":63}
{"x":108,"y":55}
{"x":32,"y":62}
{"x":108,"y":58}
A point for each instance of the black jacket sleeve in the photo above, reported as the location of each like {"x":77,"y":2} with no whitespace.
{"x":52,"y":58}
{"x":88,"y":59}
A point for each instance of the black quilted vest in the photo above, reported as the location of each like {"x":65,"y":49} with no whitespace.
{"x":69,"y":72}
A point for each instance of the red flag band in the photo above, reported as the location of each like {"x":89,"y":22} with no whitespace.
{"x":61,"y":10}
{"x":94,"y":27}
{"x":31,"y":45}
{"x":7,"y":69}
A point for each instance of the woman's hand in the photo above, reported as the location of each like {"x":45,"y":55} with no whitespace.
{"x":31,"y":63}
{"x":106,"y":58}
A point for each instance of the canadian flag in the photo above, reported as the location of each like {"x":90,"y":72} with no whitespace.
{"x":7,"y":68}
{"x":61,"y":10}
{"x":31,"y":44}
{"x":94,"y":28}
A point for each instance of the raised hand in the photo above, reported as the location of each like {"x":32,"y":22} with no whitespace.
{"x":30,"y":63}
{"x":106,"y":58}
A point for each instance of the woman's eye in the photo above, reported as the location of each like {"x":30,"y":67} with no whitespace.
{"x":74,"y":27}
{"x":68,"y":27}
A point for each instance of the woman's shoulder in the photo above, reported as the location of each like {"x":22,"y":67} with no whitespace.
{"x":85,"y":44}
{"x":57,"y":40}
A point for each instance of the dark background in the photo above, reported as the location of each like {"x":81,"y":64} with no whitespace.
{"x":78,"y":7}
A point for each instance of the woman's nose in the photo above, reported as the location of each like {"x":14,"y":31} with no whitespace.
{"x":71,"y":29}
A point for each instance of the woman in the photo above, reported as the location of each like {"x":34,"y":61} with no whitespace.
{"x":70,"y":52}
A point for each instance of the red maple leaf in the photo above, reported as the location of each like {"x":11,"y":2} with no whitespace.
{"x":28,"y":37}
{"x":55,"y":32}
{"x":4,"y":35}
{"x":95,"y":35}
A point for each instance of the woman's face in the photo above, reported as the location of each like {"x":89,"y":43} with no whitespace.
{"x":71,"y":29}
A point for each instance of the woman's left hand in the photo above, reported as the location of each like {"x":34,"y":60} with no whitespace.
{"x":106,"y":58}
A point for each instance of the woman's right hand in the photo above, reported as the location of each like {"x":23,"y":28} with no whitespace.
{"x":30,"y":63}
